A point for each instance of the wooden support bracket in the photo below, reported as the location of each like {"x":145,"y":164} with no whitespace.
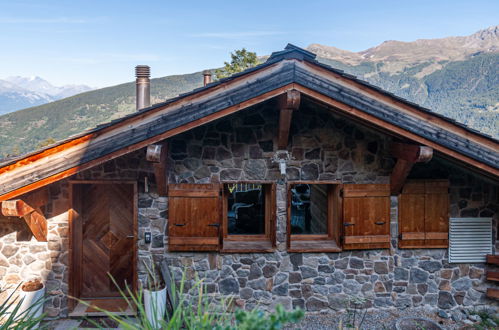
{"x":158,"y":154}
{"x":29,"y":208}
{"x":288,"y":102}
{"x":407,"y":155}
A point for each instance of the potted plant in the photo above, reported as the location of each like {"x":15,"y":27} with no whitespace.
{"x":32,"y":298}
{"x":154,"y":296}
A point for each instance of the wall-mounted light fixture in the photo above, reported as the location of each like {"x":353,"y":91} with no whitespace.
{"x":281,"y":157}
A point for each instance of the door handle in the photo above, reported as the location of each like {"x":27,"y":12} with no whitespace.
{"x":346,"y":224}
{"x":379,"y":223}
{"x":130,"y":236}
{"x":214,"y":225}
{"x":180,"y":224}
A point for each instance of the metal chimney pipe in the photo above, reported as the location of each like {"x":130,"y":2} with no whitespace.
{"x":142,"y":86}
{"x":206,"y":77}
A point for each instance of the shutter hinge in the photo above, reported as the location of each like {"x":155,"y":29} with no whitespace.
{"x":214,"y":225}
{"x":346,"y":224}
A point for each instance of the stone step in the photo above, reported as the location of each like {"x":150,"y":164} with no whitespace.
{"x":493,"y":293}
{"x":493,"y":259}
{"x":492,"y":276}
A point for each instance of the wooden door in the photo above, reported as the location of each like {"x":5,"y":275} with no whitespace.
{"x":105,"y":238}
{"x":194,"y":217}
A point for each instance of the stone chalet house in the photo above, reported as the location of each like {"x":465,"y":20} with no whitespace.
{"x":290,"y":183}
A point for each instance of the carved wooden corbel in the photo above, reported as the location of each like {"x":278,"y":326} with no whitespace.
{"x":407,"y":155}
{"x":29,"y":208}
{"x":158,"y":154}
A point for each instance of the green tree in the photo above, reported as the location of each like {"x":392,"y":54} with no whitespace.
{"x":240,"y":60}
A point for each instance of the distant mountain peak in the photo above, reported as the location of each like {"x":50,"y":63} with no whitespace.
{"x":19,"y":92}
{"x":421,"y":50}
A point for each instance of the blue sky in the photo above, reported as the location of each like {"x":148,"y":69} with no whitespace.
{"x":99,"y":42}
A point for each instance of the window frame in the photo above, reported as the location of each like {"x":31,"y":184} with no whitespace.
{"x":329,"y":242}
{"x":248,"y":243}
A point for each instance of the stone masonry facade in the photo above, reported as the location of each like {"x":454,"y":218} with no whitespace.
{"x":324,"y":147}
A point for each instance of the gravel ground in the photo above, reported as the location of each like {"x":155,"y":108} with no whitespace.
{"x":380,"y":319}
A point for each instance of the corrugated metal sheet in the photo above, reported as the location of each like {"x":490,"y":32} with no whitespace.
{"x":470,"y":239}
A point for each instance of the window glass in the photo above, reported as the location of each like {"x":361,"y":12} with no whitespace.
{"x":309,"y":209}
{"x":246,"y":208}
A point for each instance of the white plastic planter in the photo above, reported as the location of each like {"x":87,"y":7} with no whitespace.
{"x":29,"y":299}
{"x":155,"y":306}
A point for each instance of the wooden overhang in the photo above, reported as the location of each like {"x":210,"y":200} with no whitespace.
{"x":293,"y":69}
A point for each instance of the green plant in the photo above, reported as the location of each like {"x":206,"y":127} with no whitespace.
{"x":155,"y":279}
{"x":11,"y":316}
{"x":240,"y":60}
{"x":258,"y":320}
{"x":487,"y":319}
{"x":198,"y":311}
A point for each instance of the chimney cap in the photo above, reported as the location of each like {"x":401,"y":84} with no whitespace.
{"x":142,"y":71}
{"x":206,"y":72}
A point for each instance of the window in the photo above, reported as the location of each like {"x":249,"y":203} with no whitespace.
{"x":313,"y":217}
{"x":229,"y":217}
{"x":245,"y":208}
{"x":424,"y":214}
{"x":248,"y":216}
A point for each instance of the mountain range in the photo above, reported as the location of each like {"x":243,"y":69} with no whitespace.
{"x":455,"y":76}
{"x":23,"y":92}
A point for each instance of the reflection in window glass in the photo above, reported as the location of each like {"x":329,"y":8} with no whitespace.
{"x":246,"y":209}
{"x":309,"y":209}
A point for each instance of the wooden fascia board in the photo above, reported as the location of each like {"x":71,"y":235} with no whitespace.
{"x":401,"y":106}
{"x":71,"y":171}
{"x":354,"y":112}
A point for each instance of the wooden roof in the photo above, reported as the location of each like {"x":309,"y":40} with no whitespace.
{"x":291,"y":69}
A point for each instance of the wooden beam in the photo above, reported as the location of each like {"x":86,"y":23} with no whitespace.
{"x":407,"y":155}
{"x":158,"y":155}
{"x":16,"y":208}
{"x":37,"y":222}
{"x":411,"y":152}
{"x":288,"y":102}
{"x":29,"y":209}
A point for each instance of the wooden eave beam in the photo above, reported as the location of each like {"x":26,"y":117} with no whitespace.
{"x":288,"y":102}
{"x":407,"y":155}
{"x":29,"y":208}
{"x":157,"y":154}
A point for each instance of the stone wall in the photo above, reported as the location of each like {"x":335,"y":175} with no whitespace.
{"x":324,"y":147}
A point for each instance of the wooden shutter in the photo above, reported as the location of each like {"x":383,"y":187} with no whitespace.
{"x":194,"y":217}
{"x":366,"y":216}
{"x":412,"y":215}
{"x":436,"y":214}
{"x":424,"y":214}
